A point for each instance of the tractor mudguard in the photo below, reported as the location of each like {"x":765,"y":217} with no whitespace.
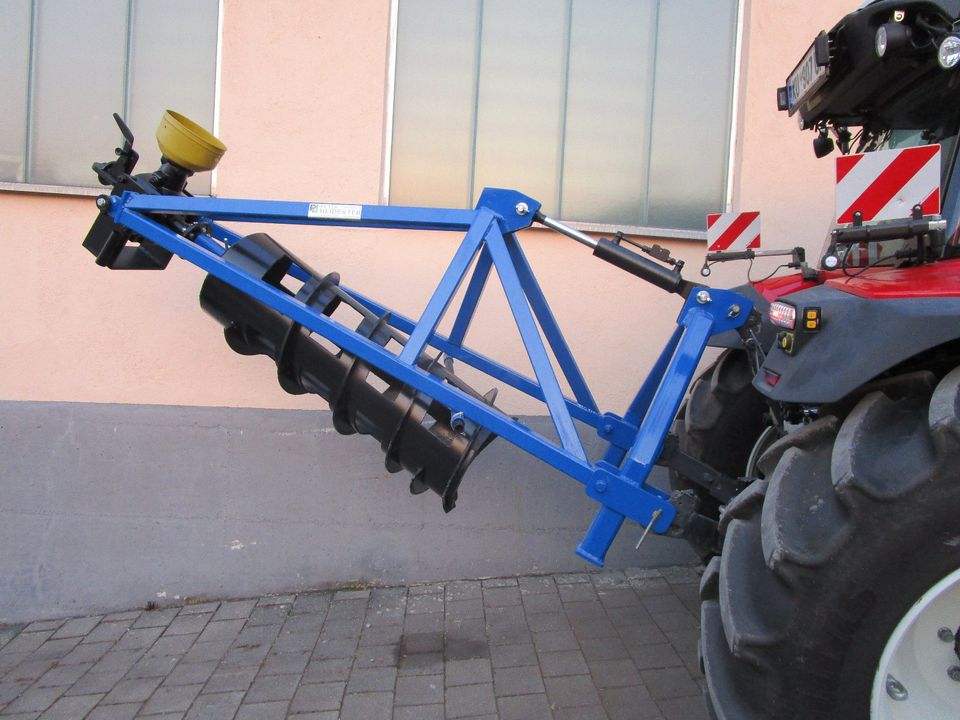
{"x":850,"y":344}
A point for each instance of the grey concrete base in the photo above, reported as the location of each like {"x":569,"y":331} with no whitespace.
{"x":105,"y":507}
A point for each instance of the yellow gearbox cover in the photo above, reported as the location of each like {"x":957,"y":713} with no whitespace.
{"x":187,"y":144}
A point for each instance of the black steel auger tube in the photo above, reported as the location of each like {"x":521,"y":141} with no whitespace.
{"x":414,"y":431}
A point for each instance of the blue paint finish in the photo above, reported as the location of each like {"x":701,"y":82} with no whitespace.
{"x":624,"y":490}
{"x":699,"y":323}
{"x":618,"y":482}
{"x":298,"y":213}
{"x":508,"y":204}
{"x":548,"y":323}
{"x":629,"y":497}
{"x":646,"y":448}
{"x":472,"y":297}
{"x":532,"y":342}
{"x":600,"y":536}
{"x":477,"y":360}
{"x":355,"y":344}
{"x":448,"y":286}
{"x":621,"y":437}
{"x":209,"y":244}
{"x":638,"y":408}
{"x":619,"y":434}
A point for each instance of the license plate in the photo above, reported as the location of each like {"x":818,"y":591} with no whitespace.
{"x":804,"y":79}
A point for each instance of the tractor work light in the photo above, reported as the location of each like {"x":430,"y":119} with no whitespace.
{"x":823,"y":144}
{"x":880,"y":41}
{"x":948,"y":55}
{"x":890,"y":37}
{"x":783,"y":315}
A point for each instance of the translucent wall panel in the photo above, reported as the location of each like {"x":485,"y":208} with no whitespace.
{"x":434,"y":102}
{"x":610,"y":80}
{"x":68,"y":66}
{"x":522,"y":62}
{"x":613,"y":111}
{"x":173,"y":64}
{"x":14,"y":70}
{"x":78,"y":81}
{"x":691,"y":111}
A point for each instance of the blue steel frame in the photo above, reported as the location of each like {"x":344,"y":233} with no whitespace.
{"x":619,"y":480}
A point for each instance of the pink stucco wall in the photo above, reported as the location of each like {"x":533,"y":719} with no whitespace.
{"x":776,"y":170}
{"x":302,"y":110}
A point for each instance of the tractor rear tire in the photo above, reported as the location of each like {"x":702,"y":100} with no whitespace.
{"x":719,"y":424}
{"x":856,"y":520}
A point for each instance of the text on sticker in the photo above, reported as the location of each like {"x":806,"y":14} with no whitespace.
{"x":328,"y":211}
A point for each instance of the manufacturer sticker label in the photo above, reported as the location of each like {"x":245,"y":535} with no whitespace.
{"x":328,"y":211}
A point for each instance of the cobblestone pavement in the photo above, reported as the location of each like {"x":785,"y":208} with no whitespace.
{"x":576,"y":646}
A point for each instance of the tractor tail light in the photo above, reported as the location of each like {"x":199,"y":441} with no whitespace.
{"x":783,"y":315}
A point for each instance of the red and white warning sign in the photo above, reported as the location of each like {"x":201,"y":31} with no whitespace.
{"x":733,"y":231}
{"x":886,"y":184}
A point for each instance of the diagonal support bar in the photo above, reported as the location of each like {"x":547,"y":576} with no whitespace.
{"x":637,"y":410}
{"x":530,"y":335}
{"x":548,"y":323}
{"x":472,"y":297}
{"x":698,"y":327}
{"x":447,"y":288}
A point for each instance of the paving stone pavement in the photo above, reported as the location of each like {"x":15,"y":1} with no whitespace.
{"x":582,"y":646}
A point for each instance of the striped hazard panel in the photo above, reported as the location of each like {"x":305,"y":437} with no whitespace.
{"x":887,"y":184}
{"x":733,"y":231}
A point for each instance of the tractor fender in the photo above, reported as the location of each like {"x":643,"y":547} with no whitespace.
{"x":858,"y":339}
